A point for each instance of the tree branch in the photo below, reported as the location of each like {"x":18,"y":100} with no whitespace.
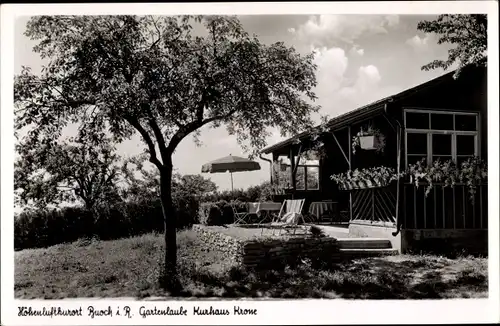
{"x":159,"y":34}
{"x":65,"y":188}
{"x":192,"y":126}
{"x":159,"y":139}
{"x":104,"y":182}
{"x":71,"y":103}
{"x":158,"y":134}
{"x":145,"y":136}
{"x":200,"y":108}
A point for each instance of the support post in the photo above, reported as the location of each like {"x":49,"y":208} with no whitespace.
{"x":398,"y":169}
{"x":340,"y":147}
{"x":292,"y":174}
{"x":398,"y":163}
{"x":349,"y":162}
{"x":350,"y":145}
{"x":481,"y":207}
{"x":232,"y":188}
{"x":274,"y":159}
{"x":298,"y":161}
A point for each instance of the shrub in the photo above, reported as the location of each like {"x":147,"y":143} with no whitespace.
{"x":263,"y":192}
{"x":219,"y":213}
{"x":43,"y":228}
{"x":187,"y":211}
{"x":35,"y":229}
{"x":227,"y":195}
{"x":112,"y":222}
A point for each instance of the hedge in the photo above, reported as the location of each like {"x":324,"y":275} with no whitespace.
{"x":260,"y":192}
{"x":220,"y":212}
{"x":43,"y":228}
{"x":36,"y":229}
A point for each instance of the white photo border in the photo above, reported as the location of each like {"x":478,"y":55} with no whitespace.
{"x":269,"y":311}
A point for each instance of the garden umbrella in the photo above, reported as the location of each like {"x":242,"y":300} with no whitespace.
{"x":232,"y":164}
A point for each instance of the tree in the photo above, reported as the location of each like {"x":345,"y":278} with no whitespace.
{"x":193,"y":185}
{"x":140,"y":183}
{"x":144,"y":183}
{"x":467,"y":32}
{"x":152,"y":75}
{"x":67,"y":171}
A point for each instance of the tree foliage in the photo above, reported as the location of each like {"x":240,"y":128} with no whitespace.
{"x":151,"y":75}
{"x":192,"y":185}
{"x":67,"y":171}
{"x":165,"y":78}
{"x":469,"y":35}
{"x":141,"y":182}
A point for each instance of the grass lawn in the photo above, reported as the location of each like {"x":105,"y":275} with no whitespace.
{"x":130,"y":268}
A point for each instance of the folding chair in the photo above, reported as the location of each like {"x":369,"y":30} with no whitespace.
{"x":289,"y":208}
{"x":239,"y":217}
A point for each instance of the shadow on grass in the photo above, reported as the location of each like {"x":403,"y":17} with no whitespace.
{"x":370,"y":278}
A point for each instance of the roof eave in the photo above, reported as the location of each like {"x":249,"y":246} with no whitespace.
{"x":345,"y":118}
{"x":333,"y":124}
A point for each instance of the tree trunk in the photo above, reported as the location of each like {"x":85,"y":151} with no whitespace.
{"x":170,"y":279}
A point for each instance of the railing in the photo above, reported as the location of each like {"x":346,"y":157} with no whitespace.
{"x":374,"y":205}
{"x":444,"y":207}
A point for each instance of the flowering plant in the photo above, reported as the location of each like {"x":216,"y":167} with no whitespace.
{"x":366,"y":178}
{"x":472,"y":172}
{"x":370,"y":131}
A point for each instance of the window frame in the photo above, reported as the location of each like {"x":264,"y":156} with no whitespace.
{"x":305,"y":166}
{"x":305,"y":177}
{"x":454,"y":133}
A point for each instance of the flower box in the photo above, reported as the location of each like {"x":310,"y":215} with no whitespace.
{"x":368,"y":142}
{"x":360,"y":184}
{"x":345,"y":186}
{"x":472,"y":172}
{"x":375,"y":177}
{"x":366,"y":184}
{"x":381,"y":182}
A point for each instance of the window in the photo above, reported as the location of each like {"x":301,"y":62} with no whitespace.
{"x":312,"y":177}
{"x":417,"y":120}
{"x":306,"y":178}
{"x":416,"y":147}
{"x":440,"y":135}
{"x":283,"y":177}
{"x":466,"y":147}
{"x":300,"y":178}
{"x":441,"y":147}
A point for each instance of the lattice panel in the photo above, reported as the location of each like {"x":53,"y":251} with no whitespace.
{"x":362,"y":208}
{"x":374,"y":204}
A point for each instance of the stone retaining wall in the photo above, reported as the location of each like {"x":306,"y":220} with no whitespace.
{"x":263,"y":252}
{"x":228,"y":246}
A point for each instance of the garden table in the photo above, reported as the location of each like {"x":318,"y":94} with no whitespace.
{"x":263,"y":209}
{"x":318,"y":208}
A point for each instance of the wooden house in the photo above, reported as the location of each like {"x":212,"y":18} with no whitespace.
{"x":444,"y":118}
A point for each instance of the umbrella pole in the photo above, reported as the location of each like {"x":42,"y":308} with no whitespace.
{"x":232,"y":189}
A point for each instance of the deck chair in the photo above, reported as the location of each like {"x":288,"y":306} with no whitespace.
{"x":290,"y":214}
{"x":239,"y":217}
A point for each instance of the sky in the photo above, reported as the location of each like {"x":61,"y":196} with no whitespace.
{"x":360,"y":59}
